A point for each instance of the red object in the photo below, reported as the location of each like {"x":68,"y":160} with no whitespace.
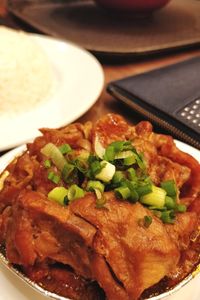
{"x":141,"y":6}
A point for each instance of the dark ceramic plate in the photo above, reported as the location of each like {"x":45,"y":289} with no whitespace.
{"x":175,"y":26}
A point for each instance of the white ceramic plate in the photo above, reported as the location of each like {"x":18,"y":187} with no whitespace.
{"x":13,"y":287}
{"x":79,"y":80}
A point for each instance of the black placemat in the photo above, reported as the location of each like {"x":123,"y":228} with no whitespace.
{"x":175,"y":26}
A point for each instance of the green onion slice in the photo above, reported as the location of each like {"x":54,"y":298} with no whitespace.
{"x":115,"y":148}
{"x":47,"y":163}
{"x":92,"y":185}
{"x":153,"y":208}
{"x":101,"y":200}
{"x":169,"y":202}
{"x":122,"y":192}
{"x":132,"y":185}
{"x":65,"y":148}
{"x":107,"y":172}
{"x":128,"y":161}
{"x":155,"y":198}
{"x":118,"y":177}
{"x":123,"y":154}
{"x":54,"y":177}
{"x":170,"y":187}
{"x":132,"y":174}
{"x":94,"y":166}
{"x":67,"y":171}
{"x":144,"y":190}
{"x":98,"y":148}
{"x":147,"y":221}
{"x":52,"y":152}
{"x":168,"y":216}
{"x":58,"y":195}
{"x":180,"y":208}
{"x":110,"y":153}
{"x":140,"y":161}
{"x":75,"y":192}
{"x":133,"y":196}
{"x":81,"y":164}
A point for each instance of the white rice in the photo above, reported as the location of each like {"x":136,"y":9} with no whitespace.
{"x":26,"y":77}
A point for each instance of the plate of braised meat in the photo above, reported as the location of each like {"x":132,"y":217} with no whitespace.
{"x":101,"y":211}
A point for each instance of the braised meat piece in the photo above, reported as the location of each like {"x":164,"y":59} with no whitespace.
{"x":132,"y":252}
{"x":20,"y":175}
{"x":109,"y":245}
{"x":71,"y":134}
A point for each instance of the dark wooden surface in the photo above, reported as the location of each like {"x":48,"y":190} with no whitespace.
{"x":112,"y":70}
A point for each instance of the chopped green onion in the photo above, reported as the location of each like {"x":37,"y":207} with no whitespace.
{"x":110,"y":153}
{"x":65,"y":148}
{"x":147,"y":221}
{"x":58,"y":194}
{"x":170,"y":187}
{"x":124,"y":154}
{"x":92,"y":158}
{"x":132,"y":185}
{"x":54,"y":177}
{"x":81,"y":164}
{"x":123,"y":150}
{"x":143,"y":190}
{"x":47,"y":163}
{"x":101,"y":200}
{"x":143,"y":180}
{"x":122,"y":145}
{"x":180,"y":208}
{"x":122,"y":192}
{"x":118,"y":177}
{"x":92,"y":185}
{"x":169,"y":202}
{"x":132,"y":174}
{"x":128,"y":161}
{"x":75,"y":192}
{"x":94,"y":166}
{"x":133,"y":196}
{"x":98,"y":148}
{"x":116,"y":147}
{"x":66,"y":200}
{"x":155,"y":198}
{"x":140,"y":161}
{"x":107,"y":172}
{"x":168,"y":216}
{"x":51,"y":151}
{"x":153,"y":208}
{"x":67,"y":171}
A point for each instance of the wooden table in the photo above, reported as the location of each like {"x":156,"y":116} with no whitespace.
{"x":112,"y":71}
